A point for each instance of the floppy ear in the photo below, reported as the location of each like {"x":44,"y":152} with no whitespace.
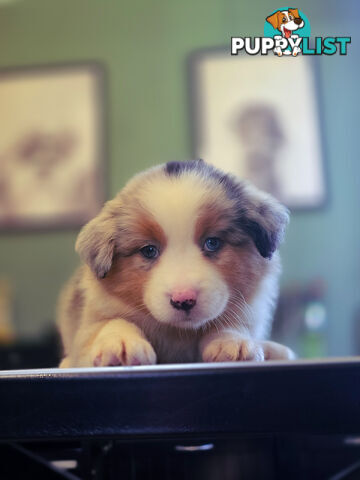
{"x":295,"y":12}
{"x":263,"y":218}
{"x":96,"y":242}
{"x":274,"y":19}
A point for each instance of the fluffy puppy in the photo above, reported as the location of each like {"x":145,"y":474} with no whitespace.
{"x":181,"y":266}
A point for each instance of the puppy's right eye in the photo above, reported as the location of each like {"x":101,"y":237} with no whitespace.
{"x":284,"y":20}
{"x":149,"y":251}
{"x":212,"y":244}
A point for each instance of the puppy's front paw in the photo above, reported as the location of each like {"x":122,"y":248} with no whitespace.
{"x":115,"y":351}
{"x":276,"y":351}
{"x":65,"y":363}
{"x":232,"y":350}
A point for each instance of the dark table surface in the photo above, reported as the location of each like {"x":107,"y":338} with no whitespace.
{"x":298,"y":397}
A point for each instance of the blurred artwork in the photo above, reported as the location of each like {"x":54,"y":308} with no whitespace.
{"x":7,"y":331}
{"x":259,"y":131}
{"x":257,"y":117}
{"x":50,"y":146}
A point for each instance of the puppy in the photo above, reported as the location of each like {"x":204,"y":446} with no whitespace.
{"x":181,"y":266}
{"x":287,"y":22}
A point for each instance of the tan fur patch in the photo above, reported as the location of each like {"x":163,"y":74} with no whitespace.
{"x":240,"y":265}
{"x":137,"y":229}
{"x":150,"y":230}
{"x":238,"y":261}
{"x":243,"y":268}
{"x":213,"y":218}
{"x":128,"y":274}
{"x":126,"y":280}
{"x":76,"y":302}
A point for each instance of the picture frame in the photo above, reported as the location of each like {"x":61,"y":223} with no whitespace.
{"x":247,"y":120}
{"x":52,"y":146}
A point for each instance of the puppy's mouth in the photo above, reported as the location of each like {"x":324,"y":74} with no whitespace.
{"x":195,"y":319}
{"x":209,"y":305}
{"x":188,"y":320}
{"x":287,"y":33}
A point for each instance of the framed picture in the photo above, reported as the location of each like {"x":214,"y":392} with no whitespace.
{"x":258,"y":118}
{"x":51,"y":146}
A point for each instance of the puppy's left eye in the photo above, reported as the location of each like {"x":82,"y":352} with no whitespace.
{"x":291,"y":17}
{"x":212,"y":244}
{"x":150,"y":251}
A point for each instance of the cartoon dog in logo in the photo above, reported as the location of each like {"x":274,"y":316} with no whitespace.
{"x":287,"y":22}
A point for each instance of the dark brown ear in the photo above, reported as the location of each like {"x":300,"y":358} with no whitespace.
{"x":96,"y":242}
{"x":263,"y":218}
{"x":274,"y":19}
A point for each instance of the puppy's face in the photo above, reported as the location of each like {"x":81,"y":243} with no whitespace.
{"x":184,"y":243}
{"x":286,"y":21}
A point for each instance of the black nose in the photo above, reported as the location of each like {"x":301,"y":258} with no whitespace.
{"x":298,"y":20}
{"x":186,"y":305}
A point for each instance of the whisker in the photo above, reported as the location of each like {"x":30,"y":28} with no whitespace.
{"x":238,"y":293}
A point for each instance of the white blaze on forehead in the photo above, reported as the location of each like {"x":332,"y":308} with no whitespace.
{"x":174,"y":202}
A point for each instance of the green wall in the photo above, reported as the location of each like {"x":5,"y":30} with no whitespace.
{"x":143,"y":46}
